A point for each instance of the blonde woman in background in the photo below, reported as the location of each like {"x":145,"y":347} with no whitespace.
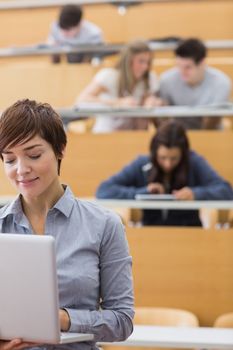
{"x":130,"y":84}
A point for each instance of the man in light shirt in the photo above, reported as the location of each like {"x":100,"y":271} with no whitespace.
{"x":72,"y":30}
{"x":193,"y":83}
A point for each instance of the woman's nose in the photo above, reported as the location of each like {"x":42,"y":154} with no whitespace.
{"x":23,"y":167}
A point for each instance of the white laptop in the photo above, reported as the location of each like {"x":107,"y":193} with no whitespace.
{"x":155,"y":197}
{"x":29,"y":291}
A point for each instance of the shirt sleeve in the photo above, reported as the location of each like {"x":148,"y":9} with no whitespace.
{"x":125,"y":184}
{"x":153,"y":83}
{"x":107,"y":78}
{"x":51,"y":39}
{"x":113,"y":322}
{"x":223,"y":91}
{"x":97,"y":37}
{"x":91,"y":33}
{"x":166,"y":86}
{"x":209,"y":185}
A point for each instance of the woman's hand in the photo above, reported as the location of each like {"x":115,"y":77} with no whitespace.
{"x":155,"y":187}
{"x":15,"y":344}
{"x":185,"y":194}
{"x":128,"y":101}
{"x":64,"y":320}
{"x":153,"y":101}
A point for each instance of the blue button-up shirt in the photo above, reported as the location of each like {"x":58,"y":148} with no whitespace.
{"x":93,"y":266}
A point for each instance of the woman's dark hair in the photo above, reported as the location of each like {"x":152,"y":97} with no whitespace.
{"x":170,"y":134}
{"x":70,"y":16}
{"x":27,"y":118}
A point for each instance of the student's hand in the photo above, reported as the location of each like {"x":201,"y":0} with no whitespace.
{"x":153,"y":101}
{"x":15,"y":344}
{"x":155,"y":187}
{"x":185,"y":194}
{"x":64,"y":320}
{"x":128,"y":101}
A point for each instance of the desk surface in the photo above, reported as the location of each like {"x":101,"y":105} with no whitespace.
{"x":120,"y":203}
{"x":44,"y":49}
{"x":161,"y":204}
{"x":17,"y":4}
{"x":95,"y":49}
{"x":180,"y":337}
{"x":140,"y":112}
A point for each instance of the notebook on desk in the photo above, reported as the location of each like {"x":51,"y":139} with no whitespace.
{"x":29,"y":307}
{"x":155,"y":197}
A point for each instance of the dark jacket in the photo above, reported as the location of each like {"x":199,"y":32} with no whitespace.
{"x":205,"y":183}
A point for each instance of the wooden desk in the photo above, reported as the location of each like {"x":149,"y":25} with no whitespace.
{"x":96,"y":49}
{"x":183,"y":18}
{"x":57,"y":84}
{"x":175,"y":205}
{"x":92,"y":158}
{"x":184,"y":268}
{"x":179,"y":337}
{"x":133,"y":204}
{"x":86,"y":110}
{"x":60,"y":84}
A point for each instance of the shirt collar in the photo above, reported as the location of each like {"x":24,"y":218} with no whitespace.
{"x":14,"y":208}
{"x":66,"y":202}
{"x":64,"y":205}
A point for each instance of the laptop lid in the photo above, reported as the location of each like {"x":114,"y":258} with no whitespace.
{"x":29,"y":293}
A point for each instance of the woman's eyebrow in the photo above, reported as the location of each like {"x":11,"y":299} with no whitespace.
{"x":31,"y":147}
{"x":25,"y":149}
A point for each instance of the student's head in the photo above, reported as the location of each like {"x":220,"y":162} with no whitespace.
{"x":134,"y":65}
{"x":190,"y":59}
{"x":32,"y":144}
{"x":69,"y":20}
{"x":169,"y":151}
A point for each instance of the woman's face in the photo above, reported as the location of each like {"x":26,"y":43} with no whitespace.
{"x":32,"y":167}
{"x":168,"y":158}
{"x":140,"y":64}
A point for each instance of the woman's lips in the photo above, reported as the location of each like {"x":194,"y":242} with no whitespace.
{"x":28,"y":181}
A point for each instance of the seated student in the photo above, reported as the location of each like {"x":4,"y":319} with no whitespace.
{"x":72,"y":30}
{"x":171,"y":168}
{"x":129,"y":84}
{"x":194,"y":83}
{"x":91,"y":248}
